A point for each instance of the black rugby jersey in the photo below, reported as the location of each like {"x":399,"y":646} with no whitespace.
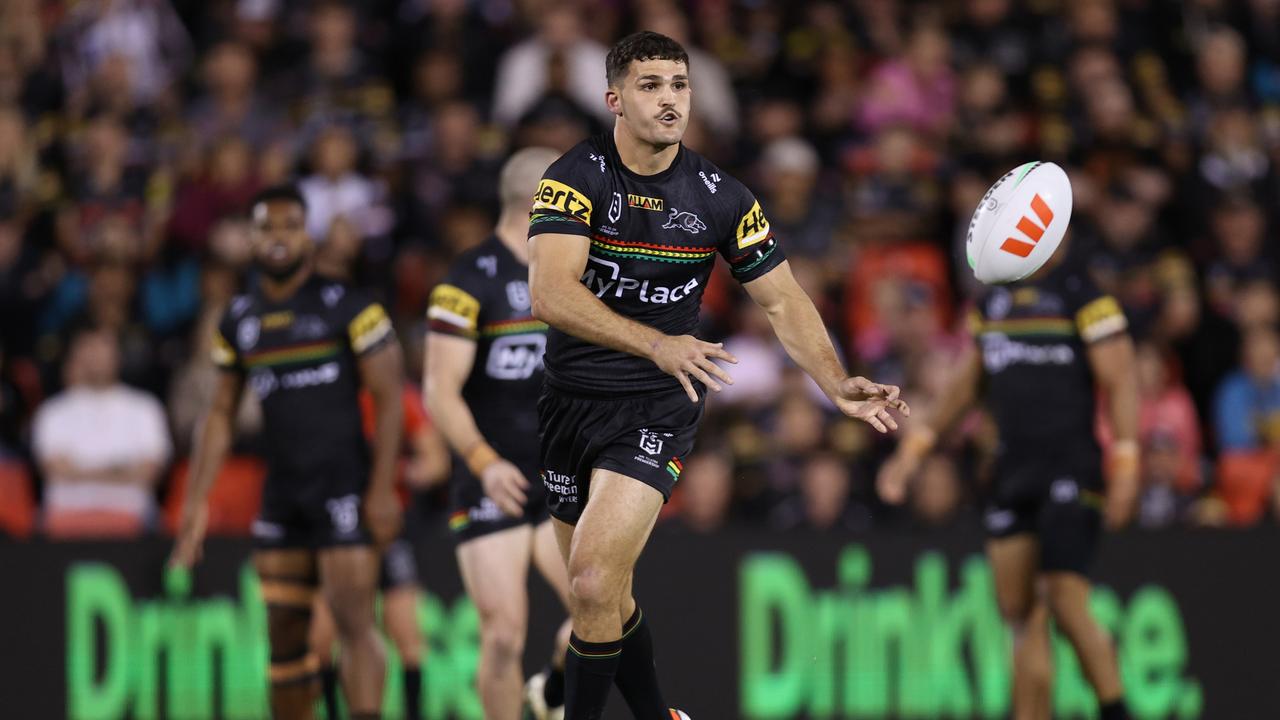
{"x":485,"y":297}
{"x":299,"y":358}
{"x":1033,"y":337}
{"x":654,"y":241}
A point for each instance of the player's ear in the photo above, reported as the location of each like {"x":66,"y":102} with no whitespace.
{"x":613,"y":101}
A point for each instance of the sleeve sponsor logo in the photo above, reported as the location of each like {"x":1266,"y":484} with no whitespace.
{"x":455,"y":306}
{"x":753,"y":227}
{"x":370,"y":327}
{"x":644,"y":203}
{"x":1100,"y":318}
{"x":555,"y":195}
{"x":223,"y":354}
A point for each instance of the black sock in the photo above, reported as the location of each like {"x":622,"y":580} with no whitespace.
{"x":1113,"y":710}
{"x":412,"y":692}
{"x":553,"y":691}
{"x":329,"y":684}
{"x":637,"y":677}
{"x":588,"y":675}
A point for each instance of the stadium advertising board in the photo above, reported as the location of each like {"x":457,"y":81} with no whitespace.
{"x":746,"y":626}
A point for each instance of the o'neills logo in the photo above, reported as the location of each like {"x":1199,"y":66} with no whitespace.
{"x":644,"y":203}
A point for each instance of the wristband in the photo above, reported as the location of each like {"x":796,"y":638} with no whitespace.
{"x":479,"y":457}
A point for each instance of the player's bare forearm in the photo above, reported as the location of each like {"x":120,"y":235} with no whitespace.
{"x":798,"y":326}
{"x":1113,"y":364}
{"x":213,"y":439}
{"x":556,"y":264}
{"x":382,"y":373}
{"x":448,"y":363}
{"x":962,"y":390}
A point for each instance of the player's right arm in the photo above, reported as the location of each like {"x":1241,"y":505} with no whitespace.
{"x":214,"y":434}
{"x":922,"y":435}
{"x":450,"y":354}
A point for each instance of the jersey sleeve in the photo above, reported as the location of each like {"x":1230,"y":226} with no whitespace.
{"x":750,"y":248}
{"x":1098,"y":316}
{"x":454,"y":307}
{"x":566,"y":196}
{"x":224,"y":354}
{"x":367,"y":326}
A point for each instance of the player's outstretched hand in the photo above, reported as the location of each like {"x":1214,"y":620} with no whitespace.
{"x":382,"y":514}
{"x":189,"y":545}
{"x":685,"y":357}
{"x":506,"y":486}
{"x":870,"y":402}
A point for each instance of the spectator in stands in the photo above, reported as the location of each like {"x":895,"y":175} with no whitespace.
{"x":335,"y":188}
{"x":823,"y":502}
{"x":231,"y":105}
{"x":802,"y":209}
{"x":523,"y":71}
{"x":917,"y":89}
{"x":936,"y":492}
{"x":1247,"y":406}
{"x":100,"y":445}
{"x":706,"y":492}
{"x":1239,"y":232}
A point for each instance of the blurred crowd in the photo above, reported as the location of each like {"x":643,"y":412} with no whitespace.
{"x":133,"y":133}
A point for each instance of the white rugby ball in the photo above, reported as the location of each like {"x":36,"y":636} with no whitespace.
{"x":1019,"y":223}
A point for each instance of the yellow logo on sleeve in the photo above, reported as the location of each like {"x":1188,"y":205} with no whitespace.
{"x":555,"y":195}
{"x":753,"y":227}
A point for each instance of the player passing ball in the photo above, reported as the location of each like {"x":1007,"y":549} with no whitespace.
{"x":624,"y":233}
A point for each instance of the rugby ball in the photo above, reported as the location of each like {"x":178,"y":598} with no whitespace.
{"x":1019,"y":223}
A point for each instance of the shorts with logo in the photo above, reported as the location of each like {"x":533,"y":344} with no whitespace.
{"x":472,"y":514}
{"x":644,"y":437}
{"x":323,"y":509}
{"x":399,"y":566}
{"x":1055,"y":495}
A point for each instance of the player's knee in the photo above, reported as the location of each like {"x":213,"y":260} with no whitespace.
{"x":352,"y":611}
{"x":1016,"y":610}
{"x":502,"y":639}
{"x":591,"y":587}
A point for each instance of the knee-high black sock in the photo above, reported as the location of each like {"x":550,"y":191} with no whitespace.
{"x":637,"y":677}
{"x":588,"y":675}
{"x":412,"y":692}
{"x":329,"y":685}
{"x":1113,"y":710}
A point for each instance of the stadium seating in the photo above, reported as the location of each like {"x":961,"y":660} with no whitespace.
{"x":233,"y":501}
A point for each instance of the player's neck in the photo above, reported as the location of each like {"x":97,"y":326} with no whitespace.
{"x":513,"y":232}
{"x":284,"y":288}
{"x":640,"y":157}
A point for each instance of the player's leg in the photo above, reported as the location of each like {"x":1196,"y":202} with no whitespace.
{"x":349,"y":581}
{"x":1069,"y":529}
{"x":322,"y":640}
{"x":1015,"y":561}
{"x":399,"y":585}
{"x":495,"y":568}
{"x":552,"y":563}
{"x":614,"y":526}
{"x":288,"y":578}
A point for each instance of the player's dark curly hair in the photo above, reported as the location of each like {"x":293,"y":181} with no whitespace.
{"x":644,"y":45}
{"x":287,"y":192}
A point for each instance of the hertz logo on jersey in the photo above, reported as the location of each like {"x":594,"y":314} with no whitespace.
{"x":753,"y":227}
{"x":644,"y":203}
{"x":553,"y":195}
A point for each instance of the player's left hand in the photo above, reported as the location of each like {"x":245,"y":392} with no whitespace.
{"x":870,"y":402}
{"x":382,"y":515}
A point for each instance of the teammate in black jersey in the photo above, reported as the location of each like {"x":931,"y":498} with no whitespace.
{"x":305,"y":346}
{"x":483,"y":376}
{"x":1043,"y":348}
{"x":624,"y":232}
